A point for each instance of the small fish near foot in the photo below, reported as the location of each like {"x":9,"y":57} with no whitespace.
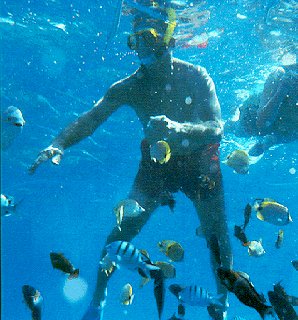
{"x":282,"y":306}
{"x":125,"y":254}
{"x":238,"y":283}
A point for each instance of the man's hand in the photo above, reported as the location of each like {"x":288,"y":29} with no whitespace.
{"x":49,"y":153}
{"x":160,"y":127}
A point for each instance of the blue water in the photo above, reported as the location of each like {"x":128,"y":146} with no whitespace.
{"x":53,"y":75}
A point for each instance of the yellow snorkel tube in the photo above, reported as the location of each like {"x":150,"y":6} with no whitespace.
{"x":172,"y":23}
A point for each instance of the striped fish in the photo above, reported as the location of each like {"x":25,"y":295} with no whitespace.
{"x":194,"y":295}
{"x":125,"y":254}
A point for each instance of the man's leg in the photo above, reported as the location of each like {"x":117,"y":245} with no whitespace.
{"x":146,"y":191}
{"x":214,"y":227}
{"x":130,"y":227}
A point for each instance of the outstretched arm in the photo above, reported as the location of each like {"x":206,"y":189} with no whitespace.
{"x":83,"y":127}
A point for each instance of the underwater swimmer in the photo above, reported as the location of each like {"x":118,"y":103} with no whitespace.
{"x":177,"y":102}
{"x":271,"y":115}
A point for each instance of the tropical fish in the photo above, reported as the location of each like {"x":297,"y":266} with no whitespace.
{"x":280,"y":239}
{"x":125,"y":254}
{"x":295,"y":264}
{"x":247,"y":215}
{"x":61,"y":263}
{"x":160,"y":152}
{"x":8,"y":206}
{"x":107,"y":265}
{"x":194,"y":295}
{"x":272,"y":212}
{"x":127,"y":208}
{"x":239,"y":161}
{"x":279,"y":289}
{"x":13,"y":116}
{"x":168,"y":271}
{"x":255,"y":248}
{"x":279,"y":300}
{"x":12,"y":122}
{"x":240,"y":234}
{"x":238,"y":283}
{"x":126,"y":296}
{"x":172,"y":249}
{"x":33,"y":300}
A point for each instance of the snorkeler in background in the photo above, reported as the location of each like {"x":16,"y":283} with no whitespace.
{"x":271,"y":115}
{"x":176,"y":102}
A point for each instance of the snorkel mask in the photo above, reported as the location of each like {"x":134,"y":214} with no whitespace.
{"x":155,"y":34}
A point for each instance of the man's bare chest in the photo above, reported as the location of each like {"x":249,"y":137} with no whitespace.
{"x":176,"y":102}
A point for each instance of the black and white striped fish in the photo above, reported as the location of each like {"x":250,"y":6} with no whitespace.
{"x":125,"y":254}
{"x":194,"y":295}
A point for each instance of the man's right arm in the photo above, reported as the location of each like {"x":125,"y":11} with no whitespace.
{"x":84,"y":126}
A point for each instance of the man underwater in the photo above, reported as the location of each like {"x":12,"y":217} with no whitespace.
{"x":175,"y":102}
{"x":271,"y":115}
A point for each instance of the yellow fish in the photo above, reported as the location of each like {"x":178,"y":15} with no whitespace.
{"x":239,"y":161}
{"x":272,"y":212}
{"x":126,"y":295}
{"x":160,"y":152}
{"x":168,"y":271}
{"x":172,"y":249}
